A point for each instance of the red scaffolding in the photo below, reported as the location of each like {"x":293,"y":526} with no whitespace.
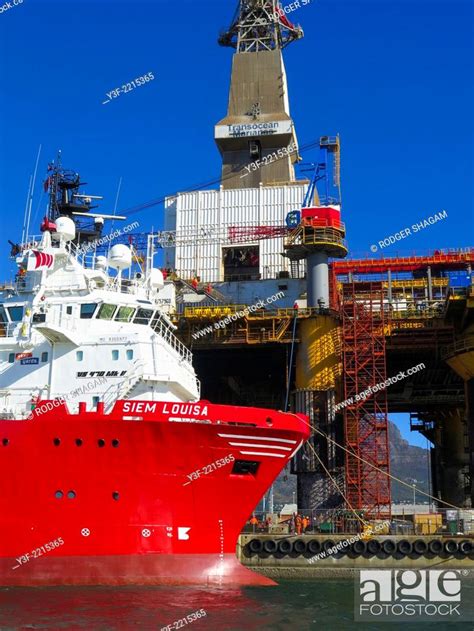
{"x":365,"y":418}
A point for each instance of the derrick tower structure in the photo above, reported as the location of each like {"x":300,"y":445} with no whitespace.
{"x":258,"y":121}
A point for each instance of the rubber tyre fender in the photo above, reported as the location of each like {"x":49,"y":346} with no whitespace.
{"x":314,"y":546}
{"x":373,"y":546}
{"x":285,"y":546}
{"x":255,"y":546}
{"x":299,"y":546}
{"x":435,"y":546}
{"x":404,"y":547}
{"x":328,"y":544}
{"x":451,"y":546}
{"x":270,"y":546}
{"x":389,"y":546}
{"x":420,"y":546}
{"x":359,"y":547}
{"x":465,"y":547}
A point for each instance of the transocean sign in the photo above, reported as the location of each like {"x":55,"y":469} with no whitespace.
{"x":256,"y":128}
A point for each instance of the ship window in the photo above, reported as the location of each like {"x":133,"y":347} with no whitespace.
{"x":3,"y":315}
{"x":245,"y":467}
{"x":69,"y":309}
{"x":129,"y":353}
{"x":5,"y":442}
{"x":71,"y":495}
{"x":115,"y":495}
{"x":124,"y":314}
{"x":58,"y":495}
{"x":143,"y":316}
{"x":44,"y":357}
{"x":106,"y":312}
{"x":11,"y":358}
{"x":115,"y":355}
{"x":95,"y":401}
{"x":16,"y":313}
{"x":87,"y":310}
{"x":79,"y":355}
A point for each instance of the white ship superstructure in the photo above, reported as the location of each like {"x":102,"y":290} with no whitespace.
{"x":66,"y":329}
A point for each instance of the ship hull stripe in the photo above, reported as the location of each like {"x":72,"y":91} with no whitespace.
{"x":260,"y":446}
{"x":279,"y":440}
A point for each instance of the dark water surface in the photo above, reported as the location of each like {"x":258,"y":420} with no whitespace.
{"x":319,"y":604}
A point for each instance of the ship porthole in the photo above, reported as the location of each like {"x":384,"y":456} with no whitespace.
{"x":71,"y":495}
{"x":5,"y":442}
{"x":101,"y":442}
{"x":115,"y":442}
{"x":79,"y":442}
{"x":56,"y":442}
{"x":116,"y":496}
{"x":269,"y":421}
{"x":58,"y":495}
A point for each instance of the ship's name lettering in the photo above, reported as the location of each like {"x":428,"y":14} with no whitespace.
{"x":185,"y":408}
{"x":168,"y":408}
{"x":101,"y":373}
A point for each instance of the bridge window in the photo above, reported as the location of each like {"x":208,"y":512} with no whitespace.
{"x":115,"y":355}
{"x":125,"y":314}
{"x":106,"y":312}
{"x":79,"y":355}
{"x":143,"y":316}
{"x":88,"y":310}
{"x":129,"y":353}
{"x":95,"y":401}
{"x":16,"y":313}
{"x":44,"y":357}
{"x":69,"y":310}
{"x":11,"y":358}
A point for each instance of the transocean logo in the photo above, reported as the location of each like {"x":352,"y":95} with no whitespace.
{"x":388,"y":595}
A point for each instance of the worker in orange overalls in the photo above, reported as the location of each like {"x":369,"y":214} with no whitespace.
{"x":305,"y":524}
{"x":254,"y":522}
{"x":299,"y":524}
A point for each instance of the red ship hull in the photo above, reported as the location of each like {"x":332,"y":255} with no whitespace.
{"x":151,"y":493}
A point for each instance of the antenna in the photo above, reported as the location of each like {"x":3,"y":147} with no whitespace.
{"x":23,"y":232}
{"x":32,"y":190}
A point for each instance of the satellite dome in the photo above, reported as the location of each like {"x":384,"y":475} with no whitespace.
{"x":120,"y":257}
{"x":156,"y":279}
{"x":65,"y":229}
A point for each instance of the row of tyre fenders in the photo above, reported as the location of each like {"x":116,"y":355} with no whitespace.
{"x":404,"y":547}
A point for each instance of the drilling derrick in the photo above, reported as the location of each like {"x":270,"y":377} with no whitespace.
{"x":258,"y":122}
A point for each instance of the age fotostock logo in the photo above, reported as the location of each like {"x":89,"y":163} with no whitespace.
{"x":389,"y":595}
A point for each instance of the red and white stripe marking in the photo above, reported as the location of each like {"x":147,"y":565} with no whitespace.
{"x":266,"y":445}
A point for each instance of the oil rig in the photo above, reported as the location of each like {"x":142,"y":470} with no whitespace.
{"x":340,"y":327}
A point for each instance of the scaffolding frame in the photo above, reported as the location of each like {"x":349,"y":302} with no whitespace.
{"x":365,"y":418}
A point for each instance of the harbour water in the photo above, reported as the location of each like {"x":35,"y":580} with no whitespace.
{"x":290,"y":606}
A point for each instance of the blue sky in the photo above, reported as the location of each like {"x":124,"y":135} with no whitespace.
{"x":393,"y":78}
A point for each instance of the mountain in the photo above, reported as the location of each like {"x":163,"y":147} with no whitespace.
{"x":407,"y":462}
